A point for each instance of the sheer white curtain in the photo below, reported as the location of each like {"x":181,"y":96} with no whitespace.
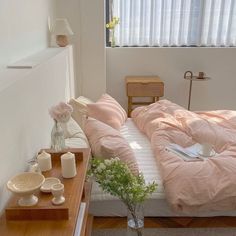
{"x":175,"y":22}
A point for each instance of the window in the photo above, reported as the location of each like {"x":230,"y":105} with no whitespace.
{"x":175,"y":22}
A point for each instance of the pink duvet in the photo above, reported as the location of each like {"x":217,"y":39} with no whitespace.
{"x":193,"y":186}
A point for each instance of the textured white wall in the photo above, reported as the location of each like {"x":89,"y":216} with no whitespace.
{"x":23,"y":28}
{"x":170,"y":64}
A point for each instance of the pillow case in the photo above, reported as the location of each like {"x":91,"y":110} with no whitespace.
{"x":80,"y":109}
{"x":74,"y":135}
{"x":106,"y":143}
{"x":107,"y":110}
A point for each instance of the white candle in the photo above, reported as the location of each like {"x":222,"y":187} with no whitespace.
{"x":44,"y":161}
{"x":68,"y":166}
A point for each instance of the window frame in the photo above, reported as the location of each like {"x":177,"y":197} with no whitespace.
{"x":108,"y":16}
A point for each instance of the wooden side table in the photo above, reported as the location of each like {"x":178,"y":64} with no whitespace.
{"x":143,"y":86}
{"x":47,"y":219}
{"x":188,"y":75}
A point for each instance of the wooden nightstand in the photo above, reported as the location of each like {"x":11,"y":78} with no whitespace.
{"x":143,"y":86}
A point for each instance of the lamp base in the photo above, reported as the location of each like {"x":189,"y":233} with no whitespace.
{"x":62,"y":40}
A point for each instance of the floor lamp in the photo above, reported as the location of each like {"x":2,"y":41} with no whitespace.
{"x":188,"y":75}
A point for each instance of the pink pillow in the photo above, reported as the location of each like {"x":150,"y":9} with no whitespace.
{"x":106,"y":143}
{"x":107,"y":110}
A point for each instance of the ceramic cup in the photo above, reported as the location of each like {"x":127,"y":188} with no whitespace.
{"x":206,"y":149}
{"x":57,"y":192}
{"x":201,"y":75}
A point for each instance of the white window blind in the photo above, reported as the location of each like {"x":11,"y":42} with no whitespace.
{"x":175,"y":22}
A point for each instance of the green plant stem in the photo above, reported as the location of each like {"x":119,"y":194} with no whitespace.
{"x":113,"y":43}
{"x":137,"y":228}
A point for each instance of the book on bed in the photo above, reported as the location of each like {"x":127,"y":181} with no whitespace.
{"x":190,"y":153}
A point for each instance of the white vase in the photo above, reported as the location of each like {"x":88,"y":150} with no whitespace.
{"x":112,"y":38}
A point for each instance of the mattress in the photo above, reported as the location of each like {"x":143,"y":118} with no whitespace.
{"x":103,"y":204}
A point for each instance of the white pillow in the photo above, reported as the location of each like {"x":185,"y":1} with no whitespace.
{"x":80,"y":109}
{"x":74,"y":135}
{"x":84,"y":100}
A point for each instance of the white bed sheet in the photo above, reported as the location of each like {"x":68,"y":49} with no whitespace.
{"x":145,"y":159}
{"x":103,"y":204}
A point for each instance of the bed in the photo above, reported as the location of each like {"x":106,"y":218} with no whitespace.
{"x":105,"y":205}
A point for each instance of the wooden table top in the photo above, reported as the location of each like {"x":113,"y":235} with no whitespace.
{"x":143,"y":79}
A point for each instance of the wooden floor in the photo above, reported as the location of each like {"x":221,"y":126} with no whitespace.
{"x":167,"y":222}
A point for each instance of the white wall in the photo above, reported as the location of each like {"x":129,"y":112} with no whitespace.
{"x":70,"y":10}
{"x":23,"y":28}
{"x":24,"y":97}
{"x":170,"y":64}
{"x":92,"y":48}
{"x":86,"y":18}
{"x":24,"y":121}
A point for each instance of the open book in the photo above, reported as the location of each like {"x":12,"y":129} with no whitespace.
{"x":190,"y":153}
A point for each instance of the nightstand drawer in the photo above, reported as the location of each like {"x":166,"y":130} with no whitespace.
{"x":143,"y":86}
{"x":145,"y":89}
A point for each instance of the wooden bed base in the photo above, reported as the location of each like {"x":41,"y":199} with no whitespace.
{"x":168,"y":222}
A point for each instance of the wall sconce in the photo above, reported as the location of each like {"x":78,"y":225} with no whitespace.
{"x":62,"y":29}
{"x":188,"y":75}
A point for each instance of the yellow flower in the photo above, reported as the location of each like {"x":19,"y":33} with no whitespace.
{"x":112,"y":24}
{"x":115,"y":20}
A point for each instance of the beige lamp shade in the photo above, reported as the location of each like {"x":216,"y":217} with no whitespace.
{"x":61,"y":29}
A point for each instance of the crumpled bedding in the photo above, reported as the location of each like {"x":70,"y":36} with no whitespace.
{"x":208,"y":185}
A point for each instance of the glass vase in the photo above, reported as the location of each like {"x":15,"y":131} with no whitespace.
{"x":57,"y":137}
{"x":135,"y":220}
{"x":112,"y":40}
